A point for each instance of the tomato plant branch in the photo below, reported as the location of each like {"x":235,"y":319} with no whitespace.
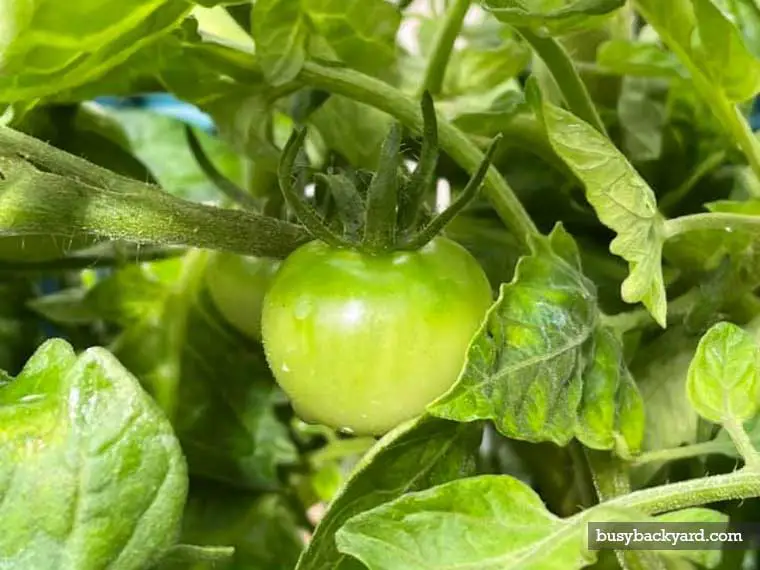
{"x":722,"y":221}
{"x":565,"y":75}
{"x":742,"y":484}
{"x":44,"y":190}
{"x":454,"y":142}
{"x":443,"y":45}
{"x":743,"y":443}
{"x":683,"y":452}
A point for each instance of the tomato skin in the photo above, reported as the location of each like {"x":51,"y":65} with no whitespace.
{"x":236,"y":285}
{"x":363,"y":342}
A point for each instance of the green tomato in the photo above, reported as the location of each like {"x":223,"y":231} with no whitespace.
{"x":236,"y":285}
{"x":362,"y":342}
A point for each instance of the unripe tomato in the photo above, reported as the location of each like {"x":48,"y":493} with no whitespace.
{"x":236,"y":285}
{"x":364,"y":342}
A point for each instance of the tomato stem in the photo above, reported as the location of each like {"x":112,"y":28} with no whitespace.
{"x":422,"y":180}
{"x":305,"y":213}
{"x":469,"y":192}
{"x":382,"y":196}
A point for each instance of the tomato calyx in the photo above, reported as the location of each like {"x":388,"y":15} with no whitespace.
{"x":386,"y":215}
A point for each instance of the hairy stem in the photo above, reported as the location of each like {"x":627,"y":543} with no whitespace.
{"x":443,"y":45}
{"x":46,"y":191}
{"x":743,"y":443}
{"x":711,"y":221}
{"x":742,"y":484}
{"x":683,"y":452}
{"x":566,"y":76}
{"x":454,"y":142}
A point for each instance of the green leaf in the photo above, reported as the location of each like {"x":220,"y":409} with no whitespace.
{"x":539,"y":363}
{"x":478,"y":69}
{"x":362,"y":33}
{"x":660,"y":368}
{"x":415,"y":456}
{"x":214,"y":385}
{"x":643,"y":119}
{"x":490,"y":522}
{"x":280,"y":31}
{"x":611,"y":413}
{"x":723,"y":55}
{"x":353,"y":129}
{"x":190,"y":556}
{"x":554,"y":16}
{"x":745,"y":14}
{"x":120,"y":478}
{"x":622,"y":200}
{"x":638,"y":58}
{"x":707,"y":43}
{"x":262,"y":529}
{"x":724,"y":382}
{"x":160,"y":143}
{"x":45,"y":51}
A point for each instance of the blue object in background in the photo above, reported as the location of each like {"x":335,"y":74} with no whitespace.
{"x":754,"y":117}
{"x":164,"y":104}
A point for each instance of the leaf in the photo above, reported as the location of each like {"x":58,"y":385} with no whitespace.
{"x":361,"y":32}
{"x":724,"y":382}
{"x":745,"y":14}
{"x":539,"y":360}
{"x":660,"y":368}
{"x":643,"y":119}
{"x":160,"y":143}
{"x":417,"y":455}
{"x":120,"y":478}
{"x":611,"y":412}
{"x":280,"y":31}
{"x":490,"y":522}
{"x":214,"y":385}
{"x":262,"y":529}
{"x":622,"y":200}
{"x":478,"y":69}
{"x":640,"y":59}
{"x":189,"y":555}
{"x":353,"y":129}
{"x":707,"y":43}
{"x":44,"y":51}
{"x":723,"y":54}
{"x":554,"y":16}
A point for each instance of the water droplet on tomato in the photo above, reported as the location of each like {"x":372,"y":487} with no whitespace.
{"x":285,"y":368}
{"x":302,"y":309}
